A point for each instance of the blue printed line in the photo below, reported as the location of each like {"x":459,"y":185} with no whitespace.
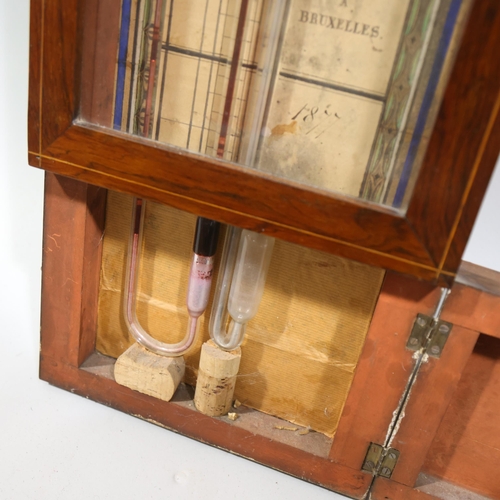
{"x":122,"y":64}
{"x":442,"y":50}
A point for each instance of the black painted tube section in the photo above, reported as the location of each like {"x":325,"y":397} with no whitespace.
{"x":206,"y":236}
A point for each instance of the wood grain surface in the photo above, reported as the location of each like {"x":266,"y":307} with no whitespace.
{"x":427,"y":243}
{"x":231,"y":194}
{"x":98,"y":60}
{"x":208,"y":430}
{"x":479,"y":278}
{"x":72,"y":224}
{"x":466,"y":449}
{"x":34,"y":92}
{"x":383,"y":369}
{"x":60,"y":85}
{"x":464,"y":145}
{"x":385,"y":489}
{"x":63,"y":267}
{"x":430,"y":396}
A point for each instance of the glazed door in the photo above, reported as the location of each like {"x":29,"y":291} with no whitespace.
{"x":280,"y":134}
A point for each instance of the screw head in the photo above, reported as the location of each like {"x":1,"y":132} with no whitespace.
{"x":435,"y":349}
{"x":413,"y":341}
{"x":369,"y":465}
{"x":421,"y":322}
{"x":385,"y":471}
{"x":392,"y":456}
{"x":444,"y":328}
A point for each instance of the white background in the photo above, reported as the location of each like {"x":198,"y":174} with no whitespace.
{"x":56,"y":445}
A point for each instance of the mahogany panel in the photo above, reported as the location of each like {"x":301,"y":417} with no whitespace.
{"x":229,"y":187}
{"x":474,"y":309}
{"x":89,"y":34}
{"x":62,"y":266}
{"x":383,"y":369}
{"x":430,"y":396}
{"x":385,"y":489}
{"x":34,"y":158}
{"x":466,"y":450}
{"x":231,"y":194}
{"x":487,"y":159}
{"x":98,"y":67}
{"x":463,"y":130}
{"x":35,"y":68}
{"x":59,"y":56}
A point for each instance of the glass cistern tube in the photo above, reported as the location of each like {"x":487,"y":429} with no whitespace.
{"x":244,"y":265}
{"x":247,"y":255}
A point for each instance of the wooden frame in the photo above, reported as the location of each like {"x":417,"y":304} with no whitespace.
{"x":427,"y":241}
{"x":73,"y":227}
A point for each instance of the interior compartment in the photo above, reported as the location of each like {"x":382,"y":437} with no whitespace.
{"x":300,"y":352}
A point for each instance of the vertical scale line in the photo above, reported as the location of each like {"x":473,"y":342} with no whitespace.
{"x":232,"y":79}
{"x":197,"y":75}
{"x":164,"y":74}
{"x":210,"y":78}
{"x":247,"y":79}
{"x":153,"y":62}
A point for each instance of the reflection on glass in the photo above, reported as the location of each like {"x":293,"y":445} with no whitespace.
{"x":335,"y":94}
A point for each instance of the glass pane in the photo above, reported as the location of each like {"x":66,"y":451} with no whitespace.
{"x":340,"y":95}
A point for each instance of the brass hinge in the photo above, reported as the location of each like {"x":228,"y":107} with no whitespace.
{"x":380,"y":461}
{"x":430,"y":334}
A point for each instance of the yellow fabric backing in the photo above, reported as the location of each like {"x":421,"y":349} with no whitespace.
{"x":300,"y":351}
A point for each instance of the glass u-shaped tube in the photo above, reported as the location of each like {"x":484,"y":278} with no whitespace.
{"x":242,"y":276}
{"x":196,"y":300}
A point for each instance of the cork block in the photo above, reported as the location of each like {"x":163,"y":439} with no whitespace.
{"x":148,"y":373}
{"x":216,"y":379}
